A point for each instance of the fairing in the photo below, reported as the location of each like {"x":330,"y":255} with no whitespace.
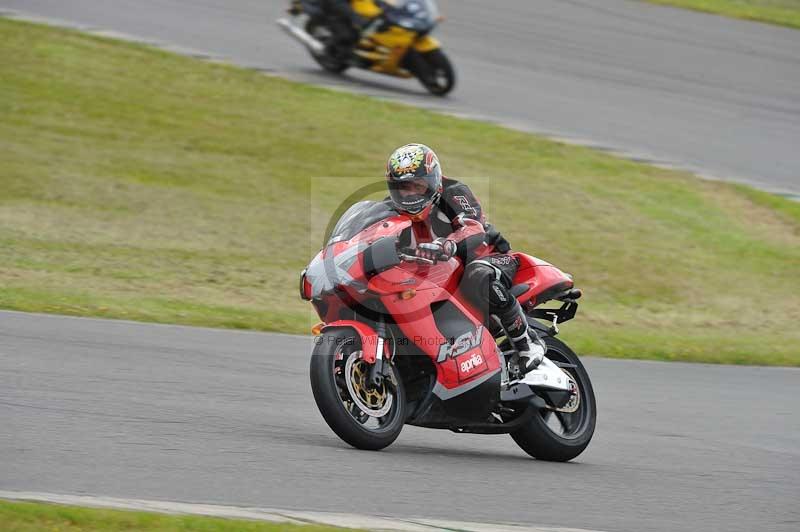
{"x":541,"y":277}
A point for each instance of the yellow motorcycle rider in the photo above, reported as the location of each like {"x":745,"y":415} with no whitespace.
{"x":350,"y":18}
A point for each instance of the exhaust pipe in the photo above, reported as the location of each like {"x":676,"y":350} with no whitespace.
{"x":313,"y":45}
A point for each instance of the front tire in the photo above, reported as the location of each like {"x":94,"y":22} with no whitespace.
{"x":433,"y":69}
{"x":366,"y":418}
{"x":556,"y":436}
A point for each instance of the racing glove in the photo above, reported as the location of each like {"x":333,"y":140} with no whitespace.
{"x":439,"y":249}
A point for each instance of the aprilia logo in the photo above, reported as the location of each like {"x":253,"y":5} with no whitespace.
{"x":462,"y":344}
{"x":471,"y":363}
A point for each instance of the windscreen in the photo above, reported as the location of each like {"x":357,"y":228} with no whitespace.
{"x":415,"y":15}
{"x":358,"y":217}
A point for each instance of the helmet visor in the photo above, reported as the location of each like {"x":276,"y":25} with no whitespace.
{"x":411,"y":195}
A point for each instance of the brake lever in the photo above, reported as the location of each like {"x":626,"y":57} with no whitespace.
{"x":414,"y":258}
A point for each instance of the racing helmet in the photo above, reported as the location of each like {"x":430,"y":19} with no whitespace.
{"x":414,"y":178}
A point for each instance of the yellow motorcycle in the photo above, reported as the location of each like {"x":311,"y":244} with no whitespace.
{"x":396,"y":41}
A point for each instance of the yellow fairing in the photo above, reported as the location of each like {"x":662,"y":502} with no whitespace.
{"x":396,"y":41}
{"x":386,"y":49}
{"x":427,"y":44}
{"x":366,"y":8}
{"x":394,"y":37}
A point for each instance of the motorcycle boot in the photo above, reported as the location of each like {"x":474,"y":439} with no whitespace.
{"x":530,"y":347}
{"x":525,"y":341}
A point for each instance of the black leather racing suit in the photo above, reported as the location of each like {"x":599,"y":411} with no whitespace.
{"x":345,"y":21}
{"x":489,"y":268}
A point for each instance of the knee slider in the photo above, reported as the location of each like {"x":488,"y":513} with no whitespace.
{"x":499,"y":297}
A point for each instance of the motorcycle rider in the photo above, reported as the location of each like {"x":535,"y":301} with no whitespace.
{"x":444,"y":213}
{"x":349,"y":18}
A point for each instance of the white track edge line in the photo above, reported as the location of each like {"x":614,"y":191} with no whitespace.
{"x":377,"y":523}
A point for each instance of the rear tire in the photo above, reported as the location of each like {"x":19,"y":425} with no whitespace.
{"x":538,"y":437}
{"x":330,"y":364}
{"x":433,"y":69}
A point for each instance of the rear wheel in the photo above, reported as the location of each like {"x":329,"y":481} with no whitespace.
{"x":560,"y":436}
{"x":366,"y":417}
{"x":433,"y":69}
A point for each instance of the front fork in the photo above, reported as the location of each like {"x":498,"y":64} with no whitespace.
{"x":377,"y":372}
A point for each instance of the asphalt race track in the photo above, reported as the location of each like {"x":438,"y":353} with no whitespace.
{"x":717,"y":96}
{"x":176,"y":413}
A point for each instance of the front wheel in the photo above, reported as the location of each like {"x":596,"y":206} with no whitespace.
{"x":560,"y":436}
{"x":433,"y":69}
{"x":369,"y":418}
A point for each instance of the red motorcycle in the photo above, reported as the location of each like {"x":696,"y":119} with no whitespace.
{"x":401,"y":345}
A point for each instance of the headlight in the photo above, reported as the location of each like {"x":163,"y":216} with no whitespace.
{"x":303,"y":285}
{"x":325,"y":274}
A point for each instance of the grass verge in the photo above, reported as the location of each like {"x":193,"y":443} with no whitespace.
{"x":143,"y":185}
{"x":781,"y":12}
{"x":35,"y":517}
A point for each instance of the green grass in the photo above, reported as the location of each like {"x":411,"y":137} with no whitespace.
{"x":143,"y":185}
{"x":34,"y":517}
{"x":783,"y":12}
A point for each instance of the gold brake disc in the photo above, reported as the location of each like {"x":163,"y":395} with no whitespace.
{"x":372,"y":397}
{"x":375,"y":402}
